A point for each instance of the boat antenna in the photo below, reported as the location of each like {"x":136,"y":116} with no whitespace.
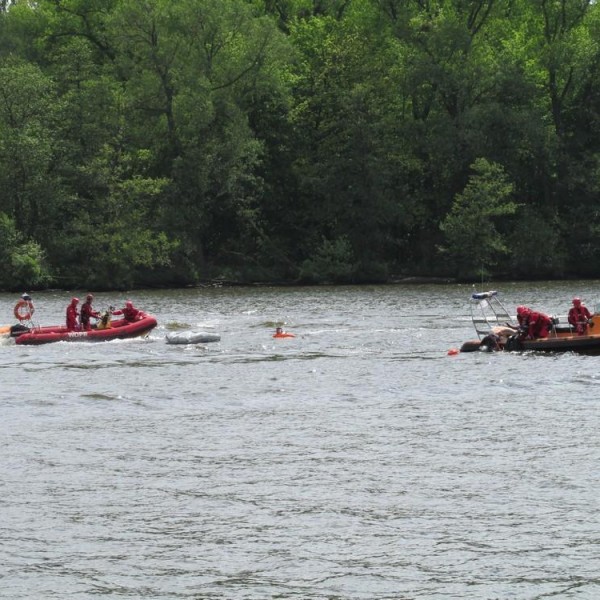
{"x":482,"y":273}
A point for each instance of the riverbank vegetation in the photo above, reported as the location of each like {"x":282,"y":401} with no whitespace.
{"x":165,"y":143}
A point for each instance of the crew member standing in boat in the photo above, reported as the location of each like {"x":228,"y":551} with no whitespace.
{"x":72,"y":314}
{"x":87,"y":311}
{"x":579,"y":316}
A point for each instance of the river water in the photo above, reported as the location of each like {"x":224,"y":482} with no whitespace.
{"x":357,"y":460}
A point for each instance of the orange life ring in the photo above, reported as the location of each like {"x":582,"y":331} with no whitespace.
{"x":29,"y":310}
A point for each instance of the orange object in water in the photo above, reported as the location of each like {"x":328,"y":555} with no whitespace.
{"x":453,"y":351}
{"x":279,"y":333}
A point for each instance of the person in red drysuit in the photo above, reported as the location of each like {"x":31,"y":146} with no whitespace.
{"x":579,"y":316}
{"x":523,"y":315}
{"x":130,"y":312}
{"x":533,"y":324}
{"x":87,"y":311}
{"x":72,"y":314}
{"x":539,"y":325}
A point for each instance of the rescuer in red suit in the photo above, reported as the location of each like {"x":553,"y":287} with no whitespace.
{"x":72,"y":314}
{"x":539,"y":325}
{"x":87,"y":311}
{"x":579,"y":316}
{"x":533,"y":324}
{"x":130,"y":312}
{"x":523,"y":316}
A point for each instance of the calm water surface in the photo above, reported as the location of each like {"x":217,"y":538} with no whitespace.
{"x":355,"y":461}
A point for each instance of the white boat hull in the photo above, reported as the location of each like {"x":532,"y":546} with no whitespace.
{"x":192,"y":337}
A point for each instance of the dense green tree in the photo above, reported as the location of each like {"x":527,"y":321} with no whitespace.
{"x":191,"y":68}
{"x":473,"y":239}
{"x":353,"y":164}
{"x":446,"y":70}
{"x":289,"y":11}
{"x":29,"y":143}
{"x":23,"y":262}
{"x":299,"y":140}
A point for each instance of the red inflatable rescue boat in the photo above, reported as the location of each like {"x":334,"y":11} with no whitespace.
{"x":118,"y":330}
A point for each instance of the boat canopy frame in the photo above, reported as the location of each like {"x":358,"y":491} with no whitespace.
{"x":488,"y":312}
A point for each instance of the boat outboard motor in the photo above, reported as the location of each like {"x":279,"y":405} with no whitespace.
{"x":513,"y":343}
{"x":18,"y":329}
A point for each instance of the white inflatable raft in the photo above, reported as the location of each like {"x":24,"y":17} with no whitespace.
{"x":192,"y":337}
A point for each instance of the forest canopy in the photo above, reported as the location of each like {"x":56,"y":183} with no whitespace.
{"x":170,"y":142}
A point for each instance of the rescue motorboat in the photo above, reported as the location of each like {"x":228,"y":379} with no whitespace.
{"x":118,"y":330}
{"x":497,"y":330}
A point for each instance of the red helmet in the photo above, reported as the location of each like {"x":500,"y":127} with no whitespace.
{"x":523,"y":311}
{"x":74,"y":300}
{"x":129,"y":304}
{"x":576,"y":301}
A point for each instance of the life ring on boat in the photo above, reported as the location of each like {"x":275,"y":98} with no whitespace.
{"x":24,"y":310}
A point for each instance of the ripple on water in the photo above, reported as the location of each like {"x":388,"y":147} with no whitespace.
{"x":358,"y":461}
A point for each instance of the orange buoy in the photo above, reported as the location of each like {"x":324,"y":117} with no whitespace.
{"x":453,"y":351}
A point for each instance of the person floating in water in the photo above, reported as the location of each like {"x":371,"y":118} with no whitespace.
{"x":280,"y":333}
